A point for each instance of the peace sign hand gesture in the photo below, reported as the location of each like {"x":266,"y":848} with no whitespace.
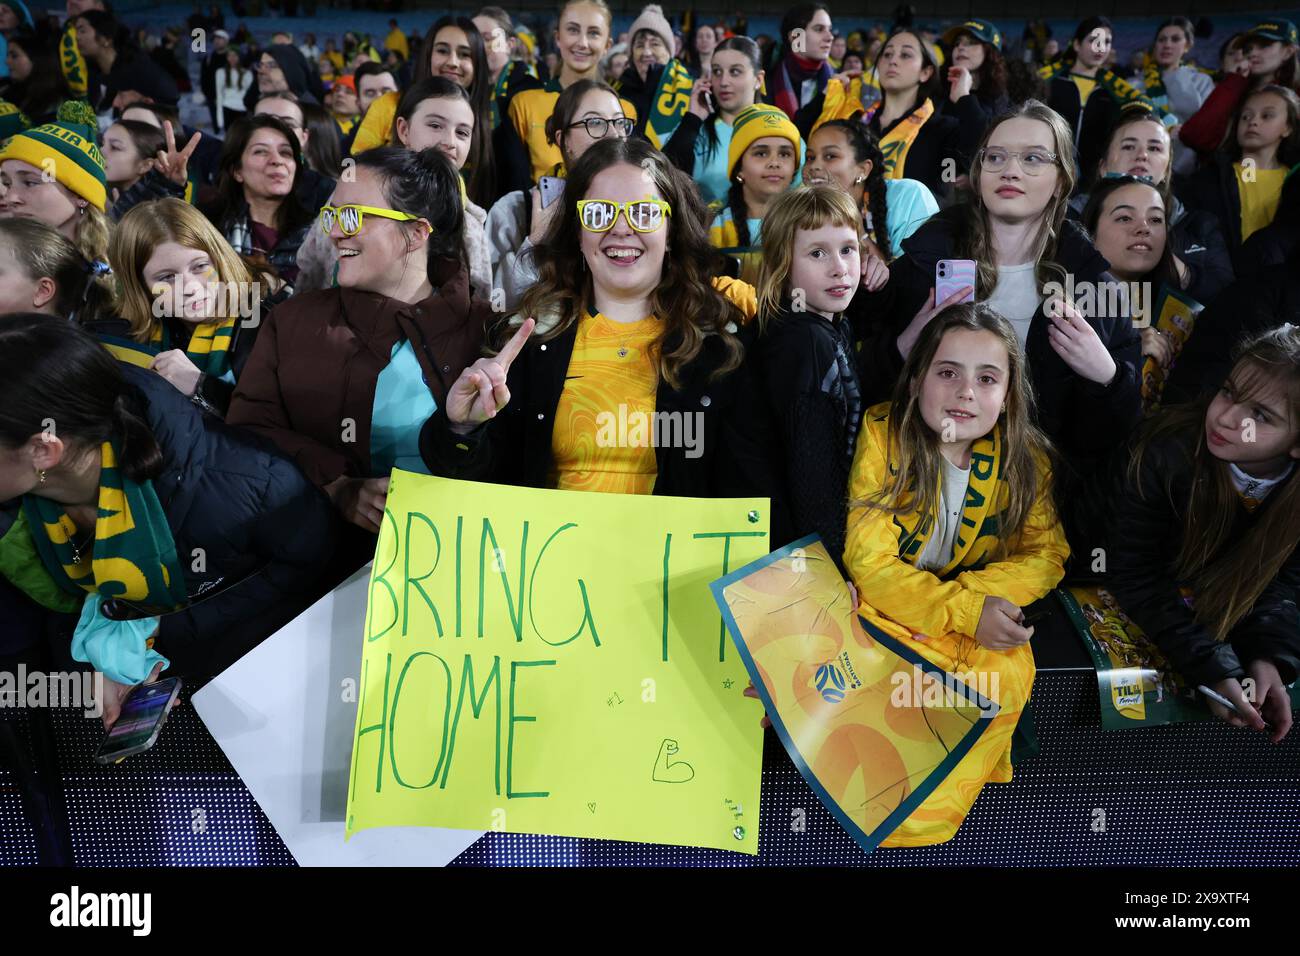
{"x":174,"y":163}
{"x":481,"y":390}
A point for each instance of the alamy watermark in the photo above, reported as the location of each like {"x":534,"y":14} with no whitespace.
{"x":83,"y":690}
{"x":1106,"y":300}
{"x":635,"y":429}
{"x":238,"y":299}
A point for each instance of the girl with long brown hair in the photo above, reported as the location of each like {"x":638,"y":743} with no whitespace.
{"x":1032,"y":266}
{"x":631,"y":326}
{"x":952,"y":531}
{"x":1204,"y":548}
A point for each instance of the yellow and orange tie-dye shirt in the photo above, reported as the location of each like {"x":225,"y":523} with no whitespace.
{"x":604,"y":423}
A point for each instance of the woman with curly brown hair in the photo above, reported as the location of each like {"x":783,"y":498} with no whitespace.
{"x":633,"y":382}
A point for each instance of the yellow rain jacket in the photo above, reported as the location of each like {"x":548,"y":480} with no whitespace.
{"x":943,"y":609}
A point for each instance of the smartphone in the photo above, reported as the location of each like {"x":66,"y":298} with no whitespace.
{"x":952,"y":275}
{"x":552,"y":188}
{"x":710,"y":103}
{"x":137,"y":727}
{"x":1034,"y":613}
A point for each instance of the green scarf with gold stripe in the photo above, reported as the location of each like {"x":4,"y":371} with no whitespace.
{"x":134,"y":555}
{"x":1119,"y":89}
{"x":208,"y":348}
{"x":499,"y":92}
{"x":1153,"y":82}
{"x":979,"y":532}
{"x":670,"y":102}
{"x":72,"y":62}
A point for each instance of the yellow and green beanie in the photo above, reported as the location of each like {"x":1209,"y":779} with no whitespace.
{"x":66,"y":147}
{"x":12,"y":120}
{"x":757,"y":122}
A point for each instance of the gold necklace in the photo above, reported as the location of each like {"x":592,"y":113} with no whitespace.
{"x":71,"y":531}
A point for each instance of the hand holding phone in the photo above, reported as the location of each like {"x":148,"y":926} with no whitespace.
{"x":702,"y":104}
{"x":140,"y":721}
{"x":951,"y":276}
{"x":552,"y":188}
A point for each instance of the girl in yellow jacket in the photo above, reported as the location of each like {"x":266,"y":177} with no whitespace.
{"x":951,"y":533}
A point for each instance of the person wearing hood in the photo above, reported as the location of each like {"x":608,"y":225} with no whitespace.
{"x":280,"y":69}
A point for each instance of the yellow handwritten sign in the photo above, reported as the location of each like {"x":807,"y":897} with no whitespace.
{"x":553,"y":662}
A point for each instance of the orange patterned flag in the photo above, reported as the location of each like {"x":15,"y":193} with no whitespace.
{"x":873,"y":727}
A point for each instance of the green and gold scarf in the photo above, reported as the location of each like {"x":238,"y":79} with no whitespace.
{"x":208,"y":348}
{"x":669,"y":104}
{"x":499,"y":92}
{"x":1153,"y":81}
{"x":1119,"y":89}
{"x":72,"y":62}
{"x":895,"y":144}
{"x":134,"y":556}
{"x":978,"y":534}
{"x":129,"y":351}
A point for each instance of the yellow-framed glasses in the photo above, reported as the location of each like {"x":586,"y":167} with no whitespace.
{"x":643,"y":215}
{"x":352,"y":217}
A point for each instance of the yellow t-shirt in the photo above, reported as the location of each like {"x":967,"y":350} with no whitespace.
{"x":1259,"y":198}
{"x":604,"y":424}
{"x":396,"y":40}
{"x":529,"y":111}
{"x":1086,"y":85}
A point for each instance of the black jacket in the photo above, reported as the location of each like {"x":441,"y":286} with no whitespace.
{"x":1250,"y":305}
{"x":1195,"y":237}
{"x":1213,"y":189}
{"x":1198,"y":240}
{"x":137,"y":71}
{"x":264,"y":531}
{"x":807,"y":375}
{"x":938,"y":145}
{"x":252,"y":536}
{"x":640,"y":93}
{"x":1277,"y":242}
{"x":1146,"y":530}
{"x":680,"y":149}
{"x":1086,"y":421}
{"x":973,"y":114}
{"x":1090,"y":123}
{"x":515,"y":447}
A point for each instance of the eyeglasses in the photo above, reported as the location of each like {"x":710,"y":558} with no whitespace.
{"x":598,"y":126}
{"x":1032,"y":161}
{"x":351,"y":217}
{"x":643,"y":215}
